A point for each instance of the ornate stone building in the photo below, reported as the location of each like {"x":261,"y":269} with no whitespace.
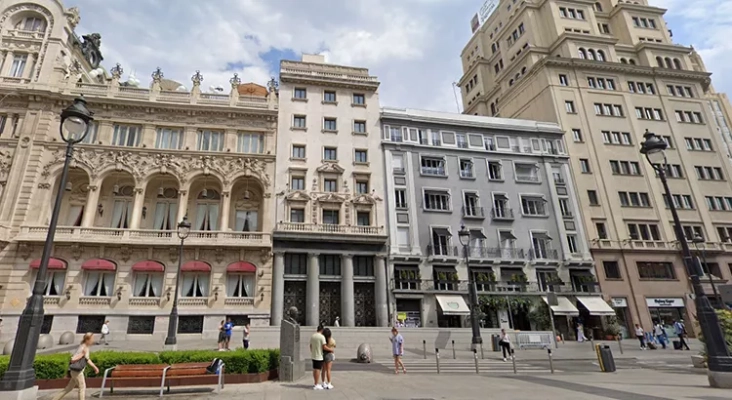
{"x":154,"y":155}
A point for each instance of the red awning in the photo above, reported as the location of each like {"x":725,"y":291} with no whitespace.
{"x":196,"y":266}
{"x":241,"y":266}
{"x":148,"y":266}
{"x":98,"y":264}
{"x":53,"y":263}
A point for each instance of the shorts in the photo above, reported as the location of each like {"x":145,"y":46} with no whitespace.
{"x":397,"y":356}
{"x":328,"y":357}
{"x":317,"y":364}
{"x":222,"y":337}
{"x":227,"y":338}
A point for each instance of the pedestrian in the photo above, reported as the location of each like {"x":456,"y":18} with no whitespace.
{"x":228,"y":326}
{"x":246,"y":336}
{"x":660,"y":333}
{"x":641,"y":336}
{"x":581,"y":333}
{"x":328,"y":358}
{"x":337,"y":322}
{"x":317,"y":346}
{"x":105,"y":333}
{"x":505,"y":343}
{"x":222,"y":336}
{"x":77,"y":364}
{"x":397,"y":349}
{"x":681,"y":333}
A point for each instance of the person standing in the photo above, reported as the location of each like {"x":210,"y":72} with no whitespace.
{"x":228,"y":326}
{"x":681,"y":333}
{"x":246,"y":336}
{"x":660,"y":333}
{"x":222,"y":335}
{"x":505,"y":342}
{"x":397,"y":349}
{"x":78,"y":363}
{"x":581,"y":333}
{"x":105,"y":333}
{"x":640,"y":334}
{"x":328,"y":358}
{"x":317,"y":346}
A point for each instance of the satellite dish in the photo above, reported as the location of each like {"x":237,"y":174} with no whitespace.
{"x":215,"y":89}
{"x":181,"y":88}
{"x":94,"y":73}
{"x":132,"y":80}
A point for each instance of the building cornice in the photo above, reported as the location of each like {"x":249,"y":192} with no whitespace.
{"x":427,"y":149}
{"x":465,"y":122}
{"x":574,"y":63}
{"x":663,"y":47}
{"x":620,"y":7}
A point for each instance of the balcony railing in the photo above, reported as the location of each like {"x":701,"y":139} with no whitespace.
{"x":94,"y":301}
{"x":193,"y":301}
{"x":239,"y":301}
{"x":485,"y":287}
{"x":473,"y":212}
{"x":497,"y":253}
{"x":559,"y":180}
{"x":527,"y":178}
{"x":502,"y":214}
{"x":145,"y":236}
{"x":433,"y":171}
{"x":547,"y":254}
{"x":443,"y":251}
{"x":331,"y":229}
{"x":467,"y":173}
{"x":145,"y":301}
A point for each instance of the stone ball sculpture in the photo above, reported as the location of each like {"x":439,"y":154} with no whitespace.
{"x":67,"y":337}
{"x":8,"y":349}
{"x":364,"y":354}
{"x":45,"y":342}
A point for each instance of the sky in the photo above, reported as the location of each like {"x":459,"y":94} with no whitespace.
{"x":412,"y":46}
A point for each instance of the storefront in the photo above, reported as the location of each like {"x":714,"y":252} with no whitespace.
{"x":563,"y":308}
{"x":452,"y":311}
{"x":668,"y":310}
{"x":409,"y":313}
{"x":620,"y":305}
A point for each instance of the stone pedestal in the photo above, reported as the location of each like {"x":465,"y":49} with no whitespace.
{"x":26,"y":394}
{"x":720,"y":380}
{"x":291,"y":367}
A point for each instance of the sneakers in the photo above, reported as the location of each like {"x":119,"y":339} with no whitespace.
{"x":327,"y":385}
{"x":318,"y":387}
{"x":504,"y":359}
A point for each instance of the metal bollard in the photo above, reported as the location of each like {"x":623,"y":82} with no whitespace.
{"x":475,"y":356}
{"x":453,"y":350}
{"x":437,"y":359}
{"x":424,"y":348}
{"x":482,"y":355}
{"x":592,"y":342}
{"x":513,"y":360}
{"x":551,"y":361}
{"x":620,"y":344}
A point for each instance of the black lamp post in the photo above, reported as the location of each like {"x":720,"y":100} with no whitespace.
{"x":719,"y":360}
{"x":697,"y":241}
{"x":20,"y":375}
{"x":464,"y":236}
{"x":184,"y":228}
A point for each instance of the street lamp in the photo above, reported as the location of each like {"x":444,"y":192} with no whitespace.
{"x":697,"y":241}
{"x":718,"y":356}
{"x":75,"y":121}
{"x":184,"y":228}
{"x":464,"y":236}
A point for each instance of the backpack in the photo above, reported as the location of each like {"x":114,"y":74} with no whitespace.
{"x":215,"y":367}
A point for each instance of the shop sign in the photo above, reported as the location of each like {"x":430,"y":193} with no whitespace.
{"x":619,"y":302}
{"x":665,"y":302}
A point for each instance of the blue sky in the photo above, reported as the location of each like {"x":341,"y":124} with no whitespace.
{"x":413,"y":46}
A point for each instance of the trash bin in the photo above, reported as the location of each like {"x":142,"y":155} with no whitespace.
{"x":605,"y":358}
{"x":496,"y":342}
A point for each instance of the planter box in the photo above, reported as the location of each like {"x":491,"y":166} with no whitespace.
{"x":699,"y":361}
{"x":96,"y":383}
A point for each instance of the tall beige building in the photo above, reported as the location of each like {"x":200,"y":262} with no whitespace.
{"x":607,"y":71}
{"x":157,"y":152}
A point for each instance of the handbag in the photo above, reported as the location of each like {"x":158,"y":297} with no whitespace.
{"x":78,"y":365}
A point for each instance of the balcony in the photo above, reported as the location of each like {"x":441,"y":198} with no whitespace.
{"x":193,"y":302}
{"x":467,"y":174}
{"x":527,"y":178}
{"x":473,"y":212}
{"x":239,"y":301}
{"x":344,"y":233}
{"x":497,"y":253}
{"x":502,"y":214}
{"x":95,"y":301}
{"x":433,"y":171}
{"x":443,"y":251}
{"x":145,"y":301}
{"x":546,"y":255}
{"x":145,"y":237}
{"x":461,"y":287}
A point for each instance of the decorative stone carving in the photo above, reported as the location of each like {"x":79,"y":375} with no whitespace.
{"x":219,"y":254}
{"x":331,"y":198}
{"x":24,"y":250}
{"x":44,"y":186}
{"x":173,"y":254}
{"x":79,"y":194}
{"x":235,"y":81}
{"x":125,"y":252}
{"x":273,"y":86}
{"x":41,"y":10}
{"x":265,"y":255}
{"x":157,"y":75}
{"x":76,"y":251}
{"x":365,"y":199}
{"x":298,"y":195}
{"x":330,"y":168}
{"x":73,"y":17}
{"x":117,"y":71}
{"x":197,"y":78}
{"x":6,"y":162}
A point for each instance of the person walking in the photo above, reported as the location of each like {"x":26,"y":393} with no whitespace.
{"x":397,"y":349}
{"x":328,"y":358}
{"x":228,"y":326}
{"x":317,"y":346}
{"x":681,"y":333}
{"x":581,"y":333}
{"x":505,"y":342}
{"x":337,"y":321}
{"x":660,"y":333}
{"x":105,"y":333}
{"x":222,"y":335}
{"x":246,"y":336}
{"x":78,"y":363}
{"x":640,"y":334}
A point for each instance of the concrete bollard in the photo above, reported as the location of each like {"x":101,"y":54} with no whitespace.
{"x":551,"y":361}
{"x":453,"y":350}
{"x":475,"y":356}
{"x":424,"y":348}
{"x":437,"y":359}
{"x":513,"y":360}
{"x":592,"y":342}
{"x":620,"y":344}
{"x":482,"y":355}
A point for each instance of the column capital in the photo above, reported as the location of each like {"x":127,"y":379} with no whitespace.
{"x":313,"y":254}
{"x":347,"y":255}
{"x":278,"y":252}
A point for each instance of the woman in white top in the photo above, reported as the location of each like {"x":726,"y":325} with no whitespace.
{"x":641,"y":335}
{"x":505,"y":343}
{"x":77,"y":377}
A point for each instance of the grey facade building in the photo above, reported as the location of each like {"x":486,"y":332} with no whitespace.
{"x":508,"y":183}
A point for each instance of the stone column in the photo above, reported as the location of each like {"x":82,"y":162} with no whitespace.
{"x":8,"y":63}
{"x":348,"y":317}
{"x":183,"y":207}
{"x":29,"y":66}
{"x":312,"y":299}
{"x":278,"y":289}
{"x":137,"y":208}
{"x":382,"y":317}
{"x":225,"y":211}
{"x":90,"y":210}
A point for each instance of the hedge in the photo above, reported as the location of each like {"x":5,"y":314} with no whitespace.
{"x":55,"y":366}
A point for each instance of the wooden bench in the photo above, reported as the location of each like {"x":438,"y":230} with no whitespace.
{"x":132,"y":372}
{"x":178,"y":372}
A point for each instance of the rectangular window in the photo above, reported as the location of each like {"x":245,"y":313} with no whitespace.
{"x":433,"y":166}
{"x":585,"y":166}
{"x":612,"y":270}
{"x":301,"y":93}
{"x":298,"y":152}
{"x":563,"y":81}
{"x":400,"y":198}
{"x":297,"y":183}
{"x":330,"y":124}
{"x":19,"y":61}
{"x":210,"y":140}
{"x":329,"y":96}
{"x":330,"y":264}
{"x":494,"y":171}
{"x":656,"y":270}
{"x":363,"y":218}
{"x":534,"y":206}
{"x":297,"y":215}
{"x":592,"y":197}
{"x":577,"y":135}
{"x":250,"y":143}
{"x":601,"y":230}
{"x":330,"y":154}
{"x":572,"y":244}
{"x":299,"y":122}
{"x":363,"y":266}
{"x":437,"y":201}
{"x":126,"y":135}
{"x":643,"y":232}
{"x":168,"y":138}
{"x":359,"y":99}
{"x":359,"y":126}
{"x":466,"y":168}
{"x":99,"y":284}
{"x":330,"y":185}
{"x":296,"y":264}
{"x":331,"y":217}
{"x":569,"y":106}
{"x":362,"y":187}
{"x":361,"y":156}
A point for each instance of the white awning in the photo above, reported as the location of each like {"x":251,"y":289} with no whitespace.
{"x":565,"y":307}
{"x":596,"y":306}
{"x":453,"y":305}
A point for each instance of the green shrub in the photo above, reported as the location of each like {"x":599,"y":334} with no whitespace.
{"x":725,"y":322}
{"x":55,"y":366}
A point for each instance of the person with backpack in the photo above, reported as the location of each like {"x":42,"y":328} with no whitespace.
{"x":681,"y":332}
{"x":660,"y":333}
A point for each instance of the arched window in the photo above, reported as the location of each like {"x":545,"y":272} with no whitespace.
{"x":623,"y":61}
{"x":669,"y":64}
{"x":659,"y":61}
{"x":32,"y":24}
{"x":600,"y":55}
{"x":632,"y":61}
{"x":493,"y":109}
{"x":591,"y":54}
{"x":207,"y":210}
{"x":123,"y":202}
{"x":582,"y":53}
{"x":166,"y":209}
{"x":677,"y":63}
{"x":598,"y":6}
